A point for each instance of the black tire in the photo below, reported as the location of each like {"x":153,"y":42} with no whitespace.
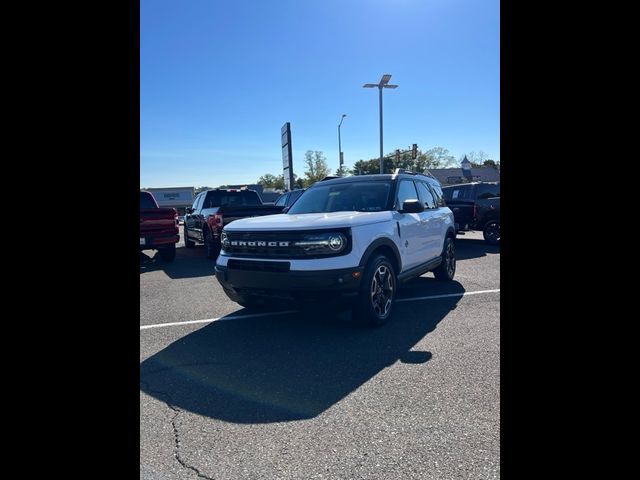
{"x":168,"y":253}
{"x":213,"y":249}
{"x":377,"y":292}
{"x":187,"y":243}
{"x":447,"y":268}
{"x":491,"y":232}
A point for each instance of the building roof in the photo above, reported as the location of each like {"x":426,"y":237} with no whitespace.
{"x":451,"y":176}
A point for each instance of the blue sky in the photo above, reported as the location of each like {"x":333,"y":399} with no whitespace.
{"x":219,"y":79}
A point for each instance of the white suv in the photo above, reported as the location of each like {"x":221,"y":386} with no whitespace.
{"x":346,"y":241}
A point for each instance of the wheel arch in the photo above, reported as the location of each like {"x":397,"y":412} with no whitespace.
{"x":384,"y":246}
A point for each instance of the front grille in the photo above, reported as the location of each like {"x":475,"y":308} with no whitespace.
{"x":257,"y":266}
{"x":276,"y":251}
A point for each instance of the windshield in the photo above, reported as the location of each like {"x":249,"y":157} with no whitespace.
{"x":344,"y":197}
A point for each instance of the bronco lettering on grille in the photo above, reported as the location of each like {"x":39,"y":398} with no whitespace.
{"x":258,"y":243}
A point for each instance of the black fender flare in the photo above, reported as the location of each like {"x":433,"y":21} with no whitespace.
{"x":379,"y":242}
{"x":451,"y":231}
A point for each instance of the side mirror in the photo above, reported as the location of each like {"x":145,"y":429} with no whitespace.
{"x":189,"y":210}
{"x":412,"y":206}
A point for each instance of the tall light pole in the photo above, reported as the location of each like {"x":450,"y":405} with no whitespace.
{"x":384,"y":83}
{"x":340,"y":161}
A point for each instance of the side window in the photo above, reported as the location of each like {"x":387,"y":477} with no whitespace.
{"x":459,"y":192}
{"x":437,"y":195}
{"x":406,"y":191}
{"x":281,"y":202}
{"x":426,"y":196}
{"x":488,"y":190}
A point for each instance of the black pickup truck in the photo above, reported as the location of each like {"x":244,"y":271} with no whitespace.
{"x":476,"y":206}
{"x":213,"y":209}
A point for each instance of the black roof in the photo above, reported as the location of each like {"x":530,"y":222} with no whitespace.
{"x":377,"y":177}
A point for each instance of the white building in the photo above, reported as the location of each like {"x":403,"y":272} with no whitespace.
{"x":177,"y":197}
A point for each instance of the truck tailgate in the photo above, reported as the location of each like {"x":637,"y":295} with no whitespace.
{"x":157,"y":219}
{"x":229,"y":214}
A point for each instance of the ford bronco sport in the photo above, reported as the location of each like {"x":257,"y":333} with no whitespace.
{"x":348,"y":241}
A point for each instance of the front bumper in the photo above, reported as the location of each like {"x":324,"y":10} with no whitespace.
{"x":287,"y":287}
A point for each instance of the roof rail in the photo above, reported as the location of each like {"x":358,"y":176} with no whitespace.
{"x":330,"y":177}
{"x":426,"y":173}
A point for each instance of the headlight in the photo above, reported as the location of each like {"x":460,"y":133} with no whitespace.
{"x":329,"y":243}
{"x":224,"y":239}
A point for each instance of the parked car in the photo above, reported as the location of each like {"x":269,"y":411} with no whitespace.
{"x":288,"y":198}
{"x":476,"y":206}
{"x":347,"y":241}
{"x":158,"y":227}
{"x":214,"y":209}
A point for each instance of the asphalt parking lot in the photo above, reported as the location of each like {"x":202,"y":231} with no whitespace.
{"x":312,"y":396}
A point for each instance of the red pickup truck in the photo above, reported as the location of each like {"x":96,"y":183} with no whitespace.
{"x":158,"y":227}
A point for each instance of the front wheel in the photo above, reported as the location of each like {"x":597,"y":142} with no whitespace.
{"x":213,"y":250}
{"x":377,"y":292}
{"x":447,"y":268}
{"x":491,"y":232}
{"x":187,"y":243}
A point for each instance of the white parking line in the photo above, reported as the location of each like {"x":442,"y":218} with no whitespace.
{"x":254,"y":315}
{"x":447,"y":295}
{"x":209,"y":320}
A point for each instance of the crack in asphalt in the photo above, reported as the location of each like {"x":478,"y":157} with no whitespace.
{"x":176,"y":435}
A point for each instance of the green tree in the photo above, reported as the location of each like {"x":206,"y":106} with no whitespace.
{"x":436,"y":157}
{"x":492,"y":164}
{"x":317,"y":167}
{"x":342,"y":171}
{"x":269,"y":180}
{"x":439,"y":157}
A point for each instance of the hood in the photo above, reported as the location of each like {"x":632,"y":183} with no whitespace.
{"x":308,"y":221}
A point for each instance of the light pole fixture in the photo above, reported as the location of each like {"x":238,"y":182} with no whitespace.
{"x":340,"y":159}
{"x":384,"y":83}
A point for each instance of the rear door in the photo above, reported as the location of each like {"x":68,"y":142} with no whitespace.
{"x":441,"y":214}
{"x":410,"y":227}
{"x":430,"y":223}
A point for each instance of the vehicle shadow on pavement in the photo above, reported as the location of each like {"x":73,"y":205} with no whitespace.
{"x":189,"y":263}
{"x":289,"y":367}
{"x":468,"y":248}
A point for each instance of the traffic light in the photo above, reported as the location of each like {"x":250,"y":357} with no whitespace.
{"x":397,"y":156}
{"x":414,"y":151}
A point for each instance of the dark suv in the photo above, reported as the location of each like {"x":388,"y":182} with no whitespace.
{"x":476,"y":206}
